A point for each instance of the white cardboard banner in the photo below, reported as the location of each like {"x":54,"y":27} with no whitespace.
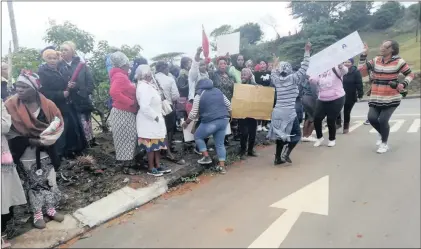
{"x":335,"y":54}
{"x":188,"y":136}
{"x":228,"y":44}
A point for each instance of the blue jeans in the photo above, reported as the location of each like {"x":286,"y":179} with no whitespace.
{"x":216,"y":129}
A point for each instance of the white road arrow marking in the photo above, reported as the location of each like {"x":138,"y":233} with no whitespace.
{"x":415,"y":126}
{"x":313,"y":198}
{"x":395,"y":127}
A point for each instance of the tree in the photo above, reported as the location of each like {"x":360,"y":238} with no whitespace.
{"x":415,"y":12}
{"x":387,"y":15}
{"x":310,"y":12}
{"x":24,"y":58}
{"x":250,"y":32}
{"x":356,"y":15}
{"x":59,"y":33}
{"x":167,"y":57}
{"x":222,"y":30}
{"x":273,"y":23}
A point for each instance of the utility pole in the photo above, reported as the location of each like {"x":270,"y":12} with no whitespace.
{"x":13,"y":26}
{"x":418,"y":22}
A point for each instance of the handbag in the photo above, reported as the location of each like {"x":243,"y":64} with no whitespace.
{"x":166,"y":104}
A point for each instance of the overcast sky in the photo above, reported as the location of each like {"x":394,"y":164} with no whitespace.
{"x":157,"y":26}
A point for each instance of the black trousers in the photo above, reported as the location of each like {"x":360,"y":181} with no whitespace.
{"x":379,"y":118}
{"x":248,"y":128}
{"x":347,"y":111}
{"x":331,"y":110}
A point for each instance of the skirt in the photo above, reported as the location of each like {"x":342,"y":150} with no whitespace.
{"x":123,"y":127}
{"x":85,"y":119}
{"x":12,"y":193}
{"x":151,"y":145}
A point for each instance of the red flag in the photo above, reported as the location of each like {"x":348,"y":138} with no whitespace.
{"x":205,"y":45}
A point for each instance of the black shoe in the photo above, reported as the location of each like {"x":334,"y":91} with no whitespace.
{"x":242,"y":155}
{"x":252,"y":153}
{"x":287,"y":159}
{"x":278,"y":161}
{"x":226,"y":142}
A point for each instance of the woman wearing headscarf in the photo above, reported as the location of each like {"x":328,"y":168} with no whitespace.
{"x":36,"y":125}
{"x":262,"y":77}
{"x":247,"y":126}
{"x":222,"y":81}
{"x":353,"y":86}
{"x":235,"y":70}
{"x":150,"y":123}
{"x":136,"y":63}
{"x":285,"y":128}
{"x":81,"y":89}
{"x":329,"y":103}
{"x":56,"y":87}
{"x":11,"y":187}
{"x":214,"y":110}
{"x":123,"y":114}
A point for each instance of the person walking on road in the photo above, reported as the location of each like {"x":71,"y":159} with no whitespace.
{"x":329,"y":103}
{"x":285,"y":128}
{"x":214,"y":110}
{"x":385,"y":89}
{"x":353,"y":86}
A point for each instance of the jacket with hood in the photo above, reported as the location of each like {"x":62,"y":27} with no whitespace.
{"x":209,"y":103}
{"x":353,"y":85}
{"x":122,"y":91}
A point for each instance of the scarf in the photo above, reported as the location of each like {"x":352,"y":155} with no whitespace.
{"x":29,"y":126}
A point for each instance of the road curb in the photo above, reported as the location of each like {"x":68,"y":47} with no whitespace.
{"x":413,"y":96}
{"x":103,"y":210}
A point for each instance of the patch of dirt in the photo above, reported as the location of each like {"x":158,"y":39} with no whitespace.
{"x":83,"y":183}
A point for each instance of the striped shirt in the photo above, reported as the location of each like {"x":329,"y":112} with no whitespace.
{"x":382,"y":95}
{"x":287,"y":87}
{"x":194,"y":113}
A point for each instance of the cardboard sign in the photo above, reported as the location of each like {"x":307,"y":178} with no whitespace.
{"x":252,"y":102}
{"x":335,"y":54}
{"x":188,"y":136}
{"x":228,"y":44}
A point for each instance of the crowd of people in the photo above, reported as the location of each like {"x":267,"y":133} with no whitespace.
{"x":46,"y":117}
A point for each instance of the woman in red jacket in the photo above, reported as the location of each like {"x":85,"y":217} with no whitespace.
{"x":123,"y":113}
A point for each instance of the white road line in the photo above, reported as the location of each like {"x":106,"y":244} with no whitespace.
{"x":394,"y":115}
{"x":356,"y":125}
{"x":415,"y":126}
{"x":395,"y":127}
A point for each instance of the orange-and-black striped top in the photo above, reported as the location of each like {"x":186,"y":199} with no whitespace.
{"x":382,"y":95}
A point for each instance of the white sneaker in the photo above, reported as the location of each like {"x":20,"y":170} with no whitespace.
{"x":318,"y":142}
{"x":265,"y":129}
{"x":379,"y":140}
{"x":331,"y":143}
{"x":382,"y":148}
{"x":308,"y":139}
{"x":259,"y":128}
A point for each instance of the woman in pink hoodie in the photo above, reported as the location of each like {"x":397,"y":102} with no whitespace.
{"x":330,"y":102}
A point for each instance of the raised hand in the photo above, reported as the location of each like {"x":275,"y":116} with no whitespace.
{"x":365,"y":51}
{"x":307,"y":47}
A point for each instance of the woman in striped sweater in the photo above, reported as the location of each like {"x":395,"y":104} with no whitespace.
{"x":385,"y":89}
{"x":285,"y":128}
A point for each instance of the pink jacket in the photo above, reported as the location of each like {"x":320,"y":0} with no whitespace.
{"x":122,"y":91}
{"x":330,"y":86}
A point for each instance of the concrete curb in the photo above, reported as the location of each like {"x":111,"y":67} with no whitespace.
{"x":92,"y":215}
{"x":412,"y":96}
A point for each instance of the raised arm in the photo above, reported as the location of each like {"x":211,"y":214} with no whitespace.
{"x":194,"y":73}
{"x":365,"y":66}
{"x":301,"y":74}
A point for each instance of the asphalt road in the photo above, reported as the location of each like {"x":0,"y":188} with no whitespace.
{"x":362,"y":200}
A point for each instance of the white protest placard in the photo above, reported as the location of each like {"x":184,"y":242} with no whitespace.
{"x":188,"y":136}
{"x":335,"y":54}
{"x":228,"y":44}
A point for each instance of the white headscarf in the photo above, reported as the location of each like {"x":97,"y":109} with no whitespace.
{"x":119,"y":59}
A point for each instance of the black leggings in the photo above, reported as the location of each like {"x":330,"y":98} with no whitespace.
{"x":379,"y":119}
{"x":347,"y":111}
{"x":247,"y":129}
{"x":331,"y":109}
